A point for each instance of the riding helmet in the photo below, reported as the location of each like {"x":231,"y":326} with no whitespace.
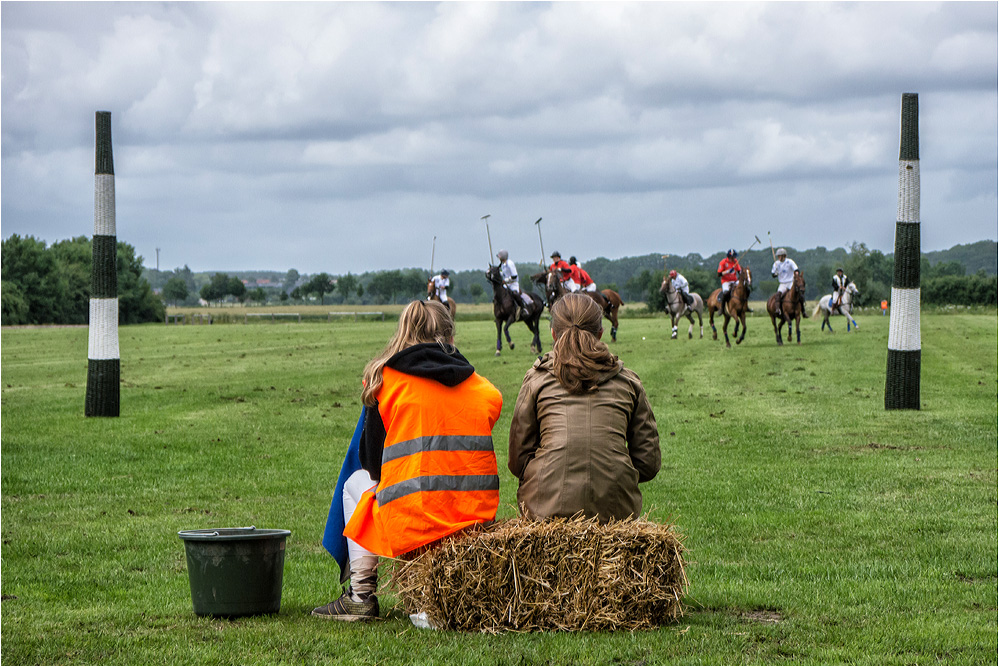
{"x":503,"y":255}
{"x":572,"y":260}
{"x":781,"y":252}
{"x":445,"y":273}
{"x":556,"y":254}
{"x":731,"y":254}
{"x":672,"y":274}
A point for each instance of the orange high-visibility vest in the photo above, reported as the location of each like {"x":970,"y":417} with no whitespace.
{"x":439,"y":471}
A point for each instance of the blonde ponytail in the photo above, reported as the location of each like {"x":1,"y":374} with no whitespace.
{"x":420,"y":322}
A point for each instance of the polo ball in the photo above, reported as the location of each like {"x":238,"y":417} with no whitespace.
{"x":643,"y":337}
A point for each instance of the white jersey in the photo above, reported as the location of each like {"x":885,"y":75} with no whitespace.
{"x":680,"y":284}
{"x":441,"y":284}
{"x":784,"y":270}
{"x":508,"y":270}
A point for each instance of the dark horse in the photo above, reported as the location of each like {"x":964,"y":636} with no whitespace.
{"x":790,"y":308}
{"x":507,"y":311}
{"x":608,"y":300}
{"x":738,"y":302}
{"x":432,"y":296}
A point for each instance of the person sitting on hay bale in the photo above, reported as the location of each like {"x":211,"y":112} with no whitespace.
{"x":583,"y":435}
{"x":421,"y":465}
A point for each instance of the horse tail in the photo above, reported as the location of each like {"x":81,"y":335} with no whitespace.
{"x":818,"y":307}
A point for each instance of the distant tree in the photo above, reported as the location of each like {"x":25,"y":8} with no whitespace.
{"x":237,"y":289}
{"x":346,"y":285}
{"x":284,"y":296}
{"x":296,"y":294}
{"x":385,"y":285}
{"x":136,"y":301}
{"x":74,"y":258}
{"x":217,"y":288}
{"x":26,"y":263}
{"x":320,"y":284}
{"x":15,"y":306}
{"x":476,"y":291}
{"x":175,"y":290}
{"x":258,"y":295}
{"x":290,"y":280}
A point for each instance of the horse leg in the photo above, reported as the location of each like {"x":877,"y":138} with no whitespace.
{"x":799,"y":329}
{"x":613,"y":318}
{"x":690,"y":327}
{"x":506,"y":329}
{"x":499,"y":336}
{"x":741,"y":318}
{"x":725,"y":330}
{"x":777,"y":327}
{"x":700,"y":323}
{"x":672,"y":320}
{"x":711,"y":321}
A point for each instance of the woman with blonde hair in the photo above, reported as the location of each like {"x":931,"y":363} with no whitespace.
{"x":583,"y":435}
{"x":423,"y":465}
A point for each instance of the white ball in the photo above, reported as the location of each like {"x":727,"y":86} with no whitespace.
{"x":643,"y":337}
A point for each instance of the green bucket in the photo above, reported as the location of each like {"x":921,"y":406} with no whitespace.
{"x":235,"y":571}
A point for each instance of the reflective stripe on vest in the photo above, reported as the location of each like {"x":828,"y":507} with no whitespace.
{"x":439,"y":471}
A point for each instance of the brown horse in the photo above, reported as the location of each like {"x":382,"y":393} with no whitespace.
{"x":791,"y":310}
{"x":608,"y":300}
{"x":738,"y":302}
{"x":432,"y":296}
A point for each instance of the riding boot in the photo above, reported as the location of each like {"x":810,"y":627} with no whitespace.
{"x":778,"y":302}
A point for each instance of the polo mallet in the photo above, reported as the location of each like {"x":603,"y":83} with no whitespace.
{"x":538,"y":223}
{"x":753,"y":245}
{"x":486,"y":218}
{"x":772,"y":254}
{"x":433,"y":252}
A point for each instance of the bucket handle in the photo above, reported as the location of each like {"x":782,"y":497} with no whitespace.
{"x":216,"y":533}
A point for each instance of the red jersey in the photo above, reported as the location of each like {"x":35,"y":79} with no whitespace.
{"x":729,"y":270}
{"x":561,"y":266}
{"x":583,"y":279}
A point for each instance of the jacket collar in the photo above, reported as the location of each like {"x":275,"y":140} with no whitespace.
{"x":431,"y":361}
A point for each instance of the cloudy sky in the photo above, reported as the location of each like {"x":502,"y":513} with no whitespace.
{"x":345,"y":136}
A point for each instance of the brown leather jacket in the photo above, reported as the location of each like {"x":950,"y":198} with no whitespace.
{"x":585,"y":452}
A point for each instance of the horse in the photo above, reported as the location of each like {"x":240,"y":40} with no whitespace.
{"x":608,"y":300}
{"x":790,"y":308}
{"x":845,"y":308}
{"x":738,"y":302}
{"x":432,"y":296}
{"x":677,"y":308}
{"x":507,"y":311}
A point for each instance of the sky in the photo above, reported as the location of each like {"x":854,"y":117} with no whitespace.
{"x":356,"y":136}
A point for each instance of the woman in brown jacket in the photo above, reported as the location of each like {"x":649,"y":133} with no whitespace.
{"x":583,"y":435}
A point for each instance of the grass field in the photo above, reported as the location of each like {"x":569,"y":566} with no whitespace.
{"x":821,"y":528}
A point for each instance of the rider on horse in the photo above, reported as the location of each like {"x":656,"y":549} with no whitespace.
{"x":783,"y":270}
{"x":508,"y":271}
{"x":728,"y":271}
{"x":441,"y":283}
{"x":839,"y":283}
{"x":563,"y":271}
{"x":582,"y":278}
{"x":682,"y":287}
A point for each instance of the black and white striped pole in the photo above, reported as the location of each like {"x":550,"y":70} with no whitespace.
{"x":904,"y":347}
{"x":104,"y":365}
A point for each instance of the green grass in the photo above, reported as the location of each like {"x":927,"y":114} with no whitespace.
{"x":822,"y":528}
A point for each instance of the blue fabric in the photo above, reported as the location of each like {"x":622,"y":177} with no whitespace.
{"x":333,"y":539}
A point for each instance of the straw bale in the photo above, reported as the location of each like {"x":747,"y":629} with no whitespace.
{"x":558,"y":574}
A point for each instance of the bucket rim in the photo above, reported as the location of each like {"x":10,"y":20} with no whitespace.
{"x":232,"y":534}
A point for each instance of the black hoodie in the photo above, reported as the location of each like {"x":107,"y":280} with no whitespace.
{"x":424,"y":360}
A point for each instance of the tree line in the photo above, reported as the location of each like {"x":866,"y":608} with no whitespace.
{"x":51,"y":284}
{"x":42,"y":284}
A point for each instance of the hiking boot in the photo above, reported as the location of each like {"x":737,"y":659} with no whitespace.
{"x":345,"y":609}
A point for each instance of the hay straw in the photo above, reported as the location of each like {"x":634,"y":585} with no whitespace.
{"x":559,"y":574}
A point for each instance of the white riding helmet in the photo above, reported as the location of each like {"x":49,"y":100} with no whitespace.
{"x":503,"y":255}
{"x":781,"y":252}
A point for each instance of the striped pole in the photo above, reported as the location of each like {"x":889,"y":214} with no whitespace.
{"x":104,"y":366}
{"x":902,"y":377}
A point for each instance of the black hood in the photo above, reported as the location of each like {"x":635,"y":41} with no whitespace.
{"x":429,"y":360}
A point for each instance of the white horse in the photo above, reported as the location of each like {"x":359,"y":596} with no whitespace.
{"x":845,"y":309}
{"x":677,"y":308}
